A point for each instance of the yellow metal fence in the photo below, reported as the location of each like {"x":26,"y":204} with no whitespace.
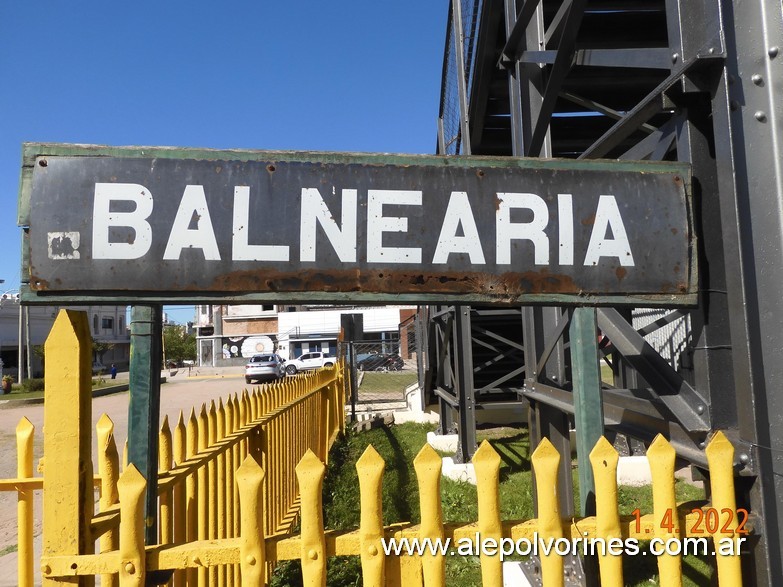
{"x":273,"y":425}
{"x":234,"y":475}
{"x":218,"y":546}
{"x":719,"y":524}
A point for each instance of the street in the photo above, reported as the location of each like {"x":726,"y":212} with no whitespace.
{"x":178,"y":395}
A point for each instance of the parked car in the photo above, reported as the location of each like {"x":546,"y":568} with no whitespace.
{"x":264,"y":366}
{"x":309,"y":361}
{"x":381,"y":362}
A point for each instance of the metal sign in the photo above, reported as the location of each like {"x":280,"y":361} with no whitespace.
{"x":189,"y":225}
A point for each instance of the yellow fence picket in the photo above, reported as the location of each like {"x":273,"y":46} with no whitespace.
{"x":427,"y":465}
{"x":720,"y":458}
{"x":661,"y":456}
{"x":546,"y":461}
{"x":191,"y":490}
{"x":211,"y":468}
{"x":370,"y":468}
{"x":604,"y":460}
{"x":252,"y":555}
{"x":24,"y":508}
{"x":222,"y":486}
{"x":180,"y":495}
{"x":131,"y":487}
{"x":486,"y":463}
{"x":202,"y":489}
{"x":165,"y":499}
{"x":310,"y":474}
{"x":69,"y":501}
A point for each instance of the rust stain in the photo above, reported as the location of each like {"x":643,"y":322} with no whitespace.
{"x":620,"y":272}
{"x":675,"y":231}
{"x":669,"y":287}
{"x":589,"y":221}
{"x":504,"y":287}
{"x":37,"y":284}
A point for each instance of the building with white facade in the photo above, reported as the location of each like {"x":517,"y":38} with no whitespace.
{"x":24,"y":327}
{"x":228,"y":335}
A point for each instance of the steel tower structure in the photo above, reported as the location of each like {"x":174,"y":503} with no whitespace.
{"x":698,"y":81}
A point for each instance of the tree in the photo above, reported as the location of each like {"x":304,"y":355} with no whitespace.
{"x":39,"y":351}
{"x":178,"y":345}
{"x":99,"y":349}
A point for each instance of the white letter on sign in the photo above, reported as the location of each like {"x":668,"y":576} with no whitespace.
{"x":193,"y":206}
{"x":608,"y":216}
{"x":314,"y":210}
{"x":377,"y":224}
{"x":459,"y":212}
{"x":532,"y":231}
{"x":565,"y":218}
{"x":240,"y":249}
{"x":103,"y":219}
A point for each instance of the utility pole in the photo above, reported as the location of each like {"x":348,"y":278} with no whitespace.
{"x":217,"y":341}
{"x":20,"y":374}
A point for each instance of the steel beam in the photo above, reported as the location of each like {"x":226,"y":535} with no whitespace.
{"x":560,"y":68}
{"x":688,"y":405}
{"x":628,"y":58}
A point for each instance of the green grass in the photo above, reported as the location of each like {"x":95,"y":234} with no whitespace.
{"x":17,"y":393}
{"x":387,"y":381}
{"x":8,"y":549}
{"x":398,"y":446}
{"x":607,"y":375}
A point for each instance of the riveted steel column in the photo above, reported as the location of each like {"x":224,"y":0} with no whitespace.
{"x":146,"y":328}
{"x":588,"y":408}
{"x":464,"y":385}
{"x":750,"y":160}
{"x":548,"y":421}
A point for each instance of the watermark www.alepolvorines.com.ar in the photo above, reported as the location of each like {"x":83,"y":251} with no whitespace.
{"x":539,"y":546}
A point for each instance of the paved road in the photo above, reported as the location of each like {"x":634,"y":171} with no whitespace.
{"x":179,"y":394}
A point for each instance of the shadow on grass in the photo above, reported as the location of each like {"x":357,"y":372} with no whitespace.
{"x":514,"y":452}
{"x":398,"y":493}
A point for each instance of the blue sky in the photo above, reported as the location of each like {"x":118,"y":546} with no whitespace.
{"x":322,"y":76}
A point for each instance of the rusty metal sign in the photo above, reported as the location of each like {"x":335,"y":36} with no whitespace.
{"x":169,"y":225}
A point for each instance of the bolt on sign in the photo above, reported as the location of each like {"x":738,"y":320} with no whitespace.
{"x":161,"y":224}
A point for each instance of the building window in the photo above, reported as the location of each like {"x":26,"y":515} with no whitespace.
{"x":122,"y":325}
{"x":95,"y":323}
{"x":107,"y":323}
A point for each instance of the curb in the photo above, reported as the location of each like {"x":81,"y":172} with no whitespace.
{"x":15,"y":403}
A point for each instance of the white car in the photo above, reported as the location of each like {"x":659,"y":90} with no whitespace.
{"x":309,"y":361}
{"x":264,"y":366}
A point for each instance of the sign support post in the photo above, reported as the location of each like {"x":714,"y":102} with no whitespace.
{"x":588,"y":407}
{"x":144,"y":406}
